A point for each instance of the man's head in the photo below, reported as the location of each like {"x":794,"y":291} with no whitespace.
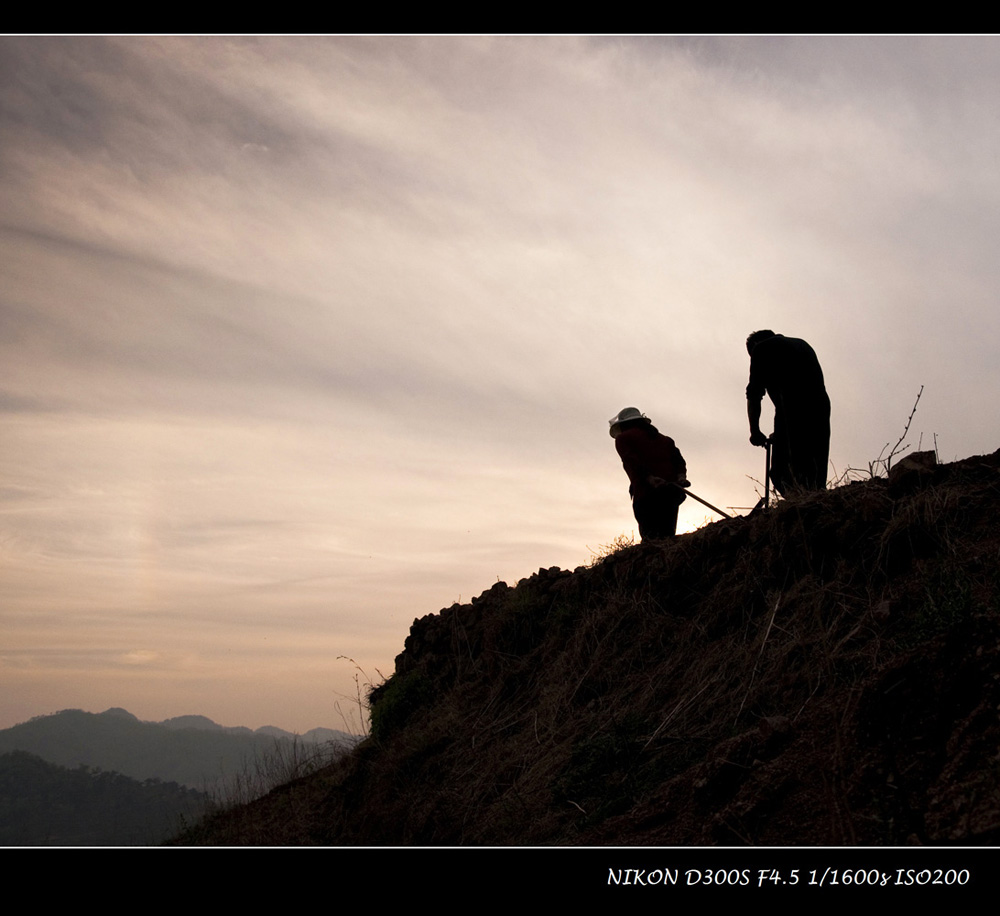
{"x":756,"y":338}
{"x":626,"y":418}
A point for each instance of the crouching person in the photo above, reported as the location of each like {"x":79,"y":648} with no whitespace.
{"x":656,"y":472}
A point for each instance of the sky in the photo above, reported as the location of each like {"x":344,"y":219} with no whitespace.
{"x":302,"y":338}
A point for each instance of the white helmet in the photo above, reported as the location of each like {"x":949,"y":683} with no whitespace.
{"x":623,"y":416}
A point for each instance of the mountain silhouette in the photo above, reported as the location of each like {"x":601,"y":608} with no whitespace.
{"x":191,"y":750}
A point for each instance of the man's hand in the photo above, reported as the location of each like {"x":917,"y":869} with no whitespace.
{"x":683,"y":482}
{"x":758,"y":438}
{"x":656,"y":482}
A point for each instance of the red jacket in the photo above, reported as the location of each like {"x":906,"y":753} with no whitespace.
{"x":644,"y":456}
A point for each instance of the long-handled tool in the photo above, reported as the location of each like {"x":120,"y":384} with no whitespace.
{"x":704,"y":502}
{"x":763,"y":502}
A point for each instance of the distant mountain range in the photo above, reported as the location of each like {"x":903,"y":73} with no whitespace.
{"x":191,"y":750}
{"x":42,"y":804}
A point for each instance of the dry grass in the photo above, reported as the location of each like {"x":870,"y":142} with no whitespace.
{"x":236,"y":815}
{"x":720,"y":687}
{"x":615,"y":546}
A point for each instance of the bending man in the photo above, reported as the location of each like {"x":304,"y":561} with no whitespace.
{"x":787,"y":369}
{"x":653,"y":464}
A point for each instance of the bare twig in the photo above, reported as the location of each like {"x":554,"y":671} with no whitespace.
{"x":883,"y":463}
{"x":896,"y":448}
{"x":358,"y":699}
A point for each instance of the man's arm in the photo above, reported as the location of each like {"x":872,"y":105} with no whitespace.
{"x":756,"y":388}
{"x":753,"y":415}
{"x":682,"y":480}
{"x":677,"y":464}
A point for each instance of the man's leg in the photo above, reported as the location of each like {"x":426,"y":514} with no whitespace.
{"x":656,"y":515}
{"x":781,"y":472}
{"x":810,"y":454}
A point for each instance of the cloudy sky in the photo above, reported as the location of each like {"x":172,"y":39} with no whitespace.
{"x":303,"y":338}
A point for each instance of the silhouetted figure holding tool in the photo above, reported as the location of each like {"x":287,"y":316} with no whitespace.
{"x":786,"y":369}
{"x":656,"y":473}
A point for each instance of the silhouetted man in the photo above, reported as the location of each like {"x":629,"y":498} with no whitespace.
{"x":787,"y":369}
{"x":656,"y":472}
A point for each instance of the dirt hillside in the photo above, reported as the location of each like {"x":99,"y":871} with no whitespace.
{"x":824,"y":673}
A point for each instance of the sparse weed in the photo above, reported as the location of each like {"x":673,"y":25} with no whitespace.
{"x":237,"y":821}
{"x":617,"y":545}
{"x":359,"y":708}
{"x":286,"y":761}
